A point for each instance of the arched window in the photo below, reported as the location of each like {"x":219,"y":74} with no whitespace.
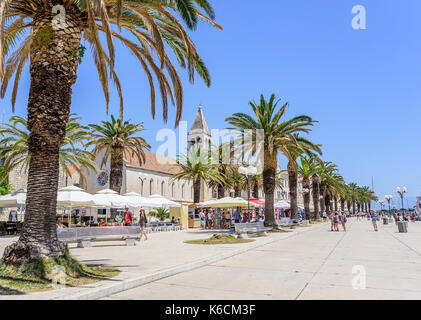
{"x":182,"y":192}
{"x":141,"y":187}
{"x":151,"y":187}
{"x":163,"y":188}
{"x":172,"y":190}
{"x":214,"y":193}
{"x":192,"y":193}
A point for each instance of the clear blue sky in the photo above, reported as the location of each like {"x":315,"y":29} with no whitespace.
{"x":363,"y":86}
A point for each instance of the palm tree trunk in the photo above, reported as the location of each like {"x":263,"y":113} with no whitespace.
{"x":293,"y":184}
{"x":306,"y":185}
{"x":256,"y":189}
{"x":316,"y":192}
{"x":196,"y":190}
{"x":116,"y":173}
{"x":322,"y":200}
{"x":353,"y":207}
{"x":221,"y":187}
{"x":336,"y":203}
{"x":53,"y":67}
{"x":327,"y":204}
{"x":342,"y":204}
{"x":269,"y":184}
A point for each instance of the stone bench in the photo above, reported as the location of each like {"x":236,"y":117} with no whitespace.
{"x":84,"y":236}
{"x":244,"y":229}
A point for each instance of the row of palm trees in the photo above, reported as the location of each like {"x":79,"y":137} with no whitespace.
{"x":288,"y":137}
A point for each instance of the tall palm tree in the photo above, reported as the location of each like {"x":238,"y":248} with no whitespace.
{"x":15,"y":141}
{"x":353,"y":194}
{"x":235,"y":180}
{"x":277,"y":135}
{"x":49,"y":35}
{"x":195,"y":166}
{"x":116,"y":140}
{"x":299,"y":146}
{"x":325,"y":170}
{"x":307,"y":170}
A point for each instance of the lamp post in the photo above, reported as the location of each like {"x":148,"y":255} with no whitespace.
{"x":388,"y":198}
{"x":402,"y":225}
{"x":248,"y":171}
{"x":401,"y":193}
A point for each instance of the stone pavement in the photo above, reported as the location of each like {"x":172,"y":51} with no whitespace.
{"x":317,"y":264}
{"x":163,"y":255}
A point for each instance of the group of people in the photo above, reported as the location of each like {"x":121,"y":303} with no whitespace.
{"x":337,"y":218}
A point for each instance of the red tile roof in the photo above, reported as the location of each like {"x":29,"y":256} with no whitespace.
{"x":154,"y":162}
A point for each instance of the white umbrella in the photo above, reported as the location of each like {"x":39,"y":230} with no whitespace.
{"x":158,"y":201}
{"x":13,"y":200}
{"x":113,"y":199}
{"x":282,"y":205}
{"x":73,"y":197}
{"x":228,"y":202}
{"x":135,"y":200}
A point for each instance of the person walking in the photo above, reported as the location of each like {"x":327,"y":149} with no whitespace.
{"x":237,"y":216}
{"x":127,"y":218}
{"x":343,"y":220}
{"x":143,"y":220}
{"x":374,"y":218}
{"x":336,"y":221}
{"x":210,"y":219}
{"x":202,"y":219}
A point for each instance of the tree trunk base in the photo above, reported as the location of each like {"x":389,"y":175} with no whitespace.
{"x":21,"y":252}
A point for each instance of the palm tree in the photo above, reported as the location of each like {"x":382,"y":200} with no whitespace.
{"x":117,"y":140}
{"x":5,"y":187}
{"x":53,"y":47}
{"x":307,"y":170}
{"x":236,"y":180}
{"x":298,"y":147}
{"x":195,"y":166}
{"x":15,"y":141}
{"x":325,"y":170}
{"x":353,"y":195}
{"x":277,"y":135}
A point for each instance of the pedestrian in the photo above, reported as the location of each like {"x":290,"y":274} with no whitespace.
{"x":343,"y":221}
{"x":332,"y":222}
{"x":202,"y":219}
{"x":210,"y":218}
{"x":237,"y":216}
{"x":127,"y":217}
{"x":374,"y":218}
{"x":228,"y":219}
{"x":143,"y":220}
{"x":336,"y":221}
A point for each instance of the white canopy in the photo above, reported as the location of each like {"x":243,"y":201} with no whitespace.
{"x":113,"y":199}
{"x":135,"y":200}
{"x":75,"y":197}
{"x":282,"y":205}
{"x":158,"y":201}
{"x":13,"y":200}
{"x":226,"y":203}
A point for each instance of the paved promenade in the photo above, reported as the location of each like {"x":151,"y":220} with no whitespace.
{"x":317,"y":264}
{"x":163,"y":255}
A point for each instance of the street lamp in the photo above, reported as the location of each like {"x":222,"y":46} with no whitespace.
{"x":388,"y":198}
{"x":401,"y":193}
{"x":248,"y":171}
